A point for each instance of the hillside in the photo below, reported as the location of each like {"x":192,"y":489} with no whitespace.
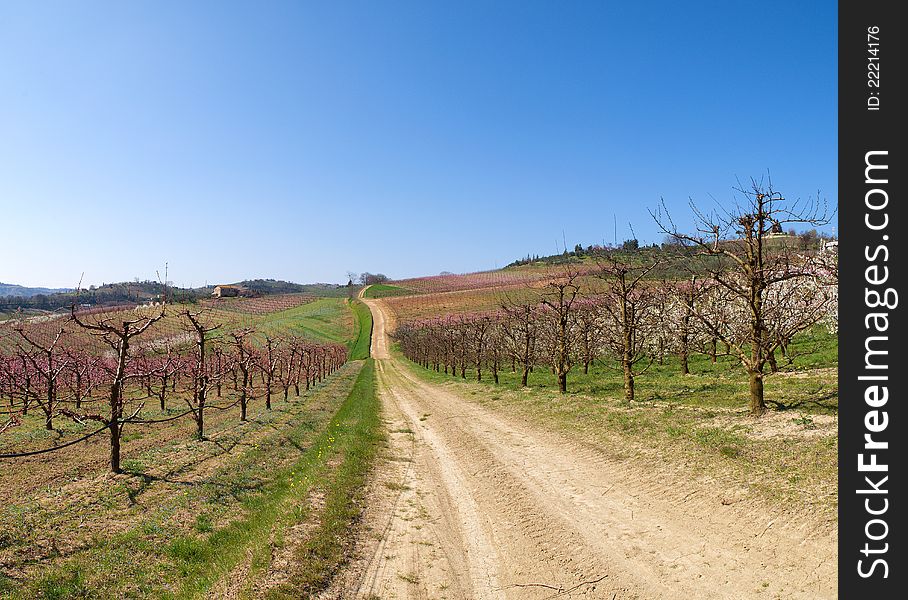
{"x":138,"y":292}
{"x":11,"y":289}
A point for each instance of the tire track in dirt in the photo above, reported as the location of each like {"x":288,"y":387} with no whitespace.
{"x":487,"y":507}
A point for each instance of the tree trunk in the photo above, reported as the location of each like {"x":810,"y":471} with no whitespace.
{"x":78,"y":391}
{"x":683,"y":353}
{"x":243,"y":398}
{"x":562,"y":382}
{"x":163,"y":391}
{"x":115,"y":447}
{"x":757,"y":402}
{"x":200,"y":422}
{"x":628,"y":381}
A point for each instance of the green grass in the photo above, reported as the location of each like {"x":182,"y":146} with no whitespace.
{"x":357,"y":435}
{"x":323,"y":320}
{"x":384,"y":290}
{"x":350,"y":438}
{"x":362,"y":323}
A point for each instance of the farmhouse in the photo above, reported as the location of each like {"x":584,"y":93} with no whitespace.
{"x":228,"y":291}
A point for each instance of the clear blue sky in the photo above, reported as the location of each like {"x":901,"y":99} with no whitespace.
{"x":300,"y":140}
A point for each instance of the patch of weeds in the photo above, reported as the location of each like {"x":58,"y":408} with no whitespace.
{"x":674,"y":431}
{"x":625,"y":421}
{"x":68,"y":582}
{"x":409,"y":577}
{"x":203,"y":523}
{"x":7,"y":584}
{"x":806,"y":422}
{"x":133,"y":466}
{"x":187,"y":550}
{"x":10,"y":537}
{"x":152,"y":528}
{"x":727,"y":443}
{"x":730,"y":451}
{"x":395,"y":486}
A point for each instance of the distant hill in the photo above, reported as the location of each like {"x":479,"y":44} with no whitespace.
{"x":11,"y":289}
{"x":14,"y":297}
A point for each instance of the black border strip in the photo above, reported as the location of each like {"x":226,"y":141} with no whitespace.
{"x":868,"y":124}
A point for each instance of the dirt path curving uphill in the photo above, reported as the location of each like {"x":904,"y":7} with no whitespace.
{"x":474,"y":504}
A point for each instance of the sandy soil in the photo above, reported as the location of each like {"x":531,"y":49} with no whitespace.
{"x":475,"y":504}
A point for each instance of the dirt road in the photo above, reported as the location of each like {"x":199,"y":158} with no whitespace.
{"x":474,"y":504}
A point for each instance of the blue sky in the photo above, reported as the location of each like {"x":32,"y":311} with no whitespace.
{"x":300,"y":140}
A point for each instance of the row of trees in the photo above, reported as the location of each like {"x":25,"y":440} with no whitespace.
{"x":744,"y":297}
{"x":54,"y":371}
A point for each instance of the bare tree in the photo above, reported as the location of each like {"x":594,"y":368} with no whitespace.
{"x":479,"y":329}
{"x":116,"y":331}
{"x":48,"y":361}
{"x":520,"y":331}
{"x":196,"y":324}
{"x":628,"y":305}
{"x":685,"y":298}
{"x":746,"y":262}
{"x":268,"y":363}
{"x":244,"y":361}
{"x":80,"y":366}
{"x":560,"y":297}
{"x":589,"y":331}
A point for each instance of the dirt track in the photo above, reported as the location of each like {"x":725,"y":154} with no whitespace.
{"x":474,"y":504}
